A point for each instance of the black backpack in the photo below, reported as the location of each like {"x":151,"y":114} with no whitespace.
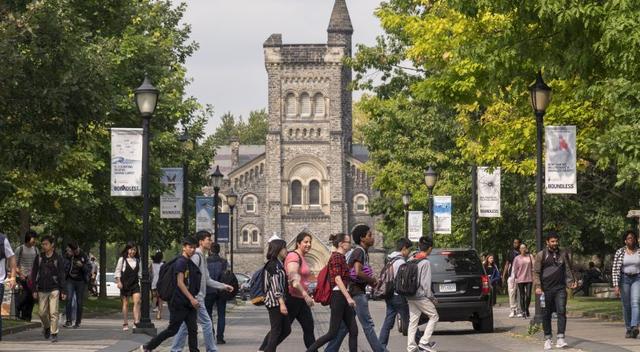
{"x":167,"y":285}
{"x":407,"y":279}
{"x":230,"y":279}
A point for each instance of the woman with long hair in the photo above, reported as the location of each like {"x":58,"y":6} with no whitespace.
{"x":127,"y":277}
{"x":523,"y":274}
{"x":275,"y":284}
{"x":341,"y":303}
{"x":491,"y":268}
{"x":154,"y":269}
{"x":626,"y":280}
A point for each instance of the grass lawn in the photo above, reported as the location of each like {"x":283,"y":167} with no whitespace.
{"x":96,"y":307}
{"x":10,"y":323}
{"x":587,"y":305}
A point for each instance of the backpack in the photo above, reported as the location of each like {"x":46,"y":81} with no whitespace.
{"x":323,"y":289}
{"x":216,"y":267}
{"x":256,"y":287}
{"x":386,"y":282}
{"x":2,"y":238}
{"x":167,"y":284}
{"x":407,"y":281}
{"x":230,"y":279}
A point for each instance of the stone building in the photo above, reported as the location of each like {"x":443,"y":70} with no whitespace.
{"x":309,"y":175}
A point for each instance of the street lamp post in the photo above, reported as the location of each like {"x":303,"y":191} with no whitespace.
{"x":183,"y":138}
{"x":540,"y":97}
{"x":216,"y":181}
{"x":430,"y":179}
{"x":146,"y":97}
{"x":406,"y":200}
{"x":232,"y":199}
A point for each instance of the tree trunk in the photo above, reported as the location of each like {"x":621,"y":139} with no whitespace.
{"x":25,"y":217}
{"x":103,"y":268}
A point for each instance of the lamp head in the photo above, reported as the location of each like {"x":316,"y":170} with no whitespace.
{"x":540,"y":94}
{"x":146,"y":98}
{"x":430,"y":178}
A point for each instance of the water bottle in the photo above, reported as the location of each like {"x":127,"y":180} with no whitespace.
{"x":542,"y":303}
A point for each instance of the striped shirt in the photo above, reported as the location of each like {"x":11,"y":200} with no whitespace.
{"x":275,"y":283}
{"x":616,"y":270}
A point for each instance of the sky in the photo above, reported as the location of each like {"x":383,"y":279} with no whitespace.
{"x":228,"y":69}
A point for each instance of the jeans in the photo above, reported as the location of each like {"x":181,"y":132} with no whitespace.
{"x":341,"y":313}
{"x":207,"y":330}
{"x":524,"y":293}
{"x":630,"y":294}
{"x":280,"y":329}
{"x":555,"y":301}
{"x":362,"y":312}
{"x":1,"y":299}
{"x":213,"y":300}
{"x":416,"y":308}
{"x":177,"y":316}
{"x":395,"y":305}
{"x":298,"y":309}
{"x":78,"y":288}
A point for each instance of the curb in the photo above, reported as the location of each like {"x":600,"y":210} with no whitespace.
{"x":585,"y":314}
{"x":21,"y":328}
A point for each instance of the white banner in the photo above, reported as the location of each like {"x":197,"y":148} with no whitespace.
{"x":204,"y":214}
{"x":126,"y":162}
{"x":560,"y":165}
{"x":442,"y":214}
{"x":488,"y":192}
{"x":414,"y":225}
{"x":171,"y":200}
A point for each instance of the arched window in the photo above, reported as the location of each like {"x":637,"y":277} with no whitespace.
{"x":360,"y":203}
{"x":305,"y":105}
{"x":318,"y":104}
{"x":245,"y":236}
{"x":250,"y":235}
{"x":314,"y":192}
{"x":296,"y":193}
{"x":250,"y":203}
{"x":291,"y":108}
{"x":255,"y":238}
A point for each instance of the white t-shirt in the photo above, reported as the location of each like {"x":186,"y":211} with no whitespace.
{"x":8,"y":253}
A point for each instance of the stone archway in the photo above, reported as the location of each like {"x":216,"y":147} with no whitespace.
{"x":318,"y":255}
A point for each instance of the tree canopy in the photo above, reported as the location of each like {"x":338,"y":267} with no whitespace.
{"x":252,"y":131}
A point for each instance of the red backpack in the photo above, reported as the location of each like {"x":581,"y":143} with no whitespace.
{"x":323,"y":289}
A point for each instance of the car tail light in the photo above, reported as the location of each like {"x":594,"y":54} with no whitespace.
{"x":486,"y":288}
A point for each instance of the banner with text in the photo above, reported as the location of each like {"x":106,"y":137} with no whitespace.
{"x":488,"y":192}
{"x":415,"y":225}
{"x":560,"y":166}
{"x":442,"y":214}
{"x":223,"y":227}
{"x":171,"y":200}
{"x":126,"y":162}
{"x":204,"y":214}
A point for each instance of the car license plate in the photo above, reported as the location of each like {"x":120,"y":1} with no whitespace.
{"x":448,"y":287}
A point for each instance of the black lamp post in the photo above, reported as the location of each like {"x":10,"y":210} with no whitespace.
{"x":540,"y":97}
{"x":216,"y":182}
{"x":406,"y":200}
{"x":430,"y":179}
{"x":184,"y":138}
{"x":146,"y":97}
{"x":232,"y":200}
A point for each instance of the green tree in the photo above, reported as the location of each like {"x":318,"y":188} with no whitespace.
{"x":253,"y":131}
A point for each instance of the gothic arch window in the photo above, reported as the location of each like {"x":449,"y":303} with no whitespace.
{"x":318,"y":105}
{"x":261,"y":169}
{"x":361,"y":203}
{"x":291,"y":105}
{"x":305,"y":105}
{"x":250,"y":203}
{"x":296,"y":193}
{"x":250,"y":235}
{"x":314,"y":192}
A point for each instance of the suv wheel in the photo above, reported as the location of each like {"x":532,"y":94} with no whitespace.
{"x":484,"y":325}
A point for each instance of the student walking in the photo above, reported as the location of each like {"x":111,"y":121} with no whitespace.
{"x":198,"y":258}
{"x":299,"y":301}
{"x":78,"y":269}
{"x":491,"y":268}
{"x":341,"y":302}
{"x":360,"y":271}
{"x":156,"y":265}
{"x":626,"y":280}
{"x":183,"y":305}
{"x":48,"y":277}
{"x":552,"y":271}
{"x":396,"y":304}
{"x":523,"y":275}
{"x":216,"y":266}
{"x":276,"y":296}
{"x":7,"y":260}
{"x":423,"y":302}
{"x":25,"y":256}
{"x":127,"y":276}
{"x":512,"y":288}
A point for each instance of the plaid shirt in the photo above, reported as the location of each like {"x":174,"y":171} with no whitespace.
{"x":616,"y":270}
{"x":338,"y":267}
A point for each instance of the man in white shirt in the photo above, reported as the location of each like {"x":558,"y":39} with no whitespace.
{"x":6,"y":254}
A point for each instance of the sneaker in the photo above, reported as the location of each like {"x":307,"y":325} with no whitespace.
{"x":513,"y":314}
{"x":67,"y":324}
{"x":144,"y":348}
{"x":47,"y":333}
{"x":547,"y":345}
{"x":76,"y":326}
{"x":628,"y":334}
{"x":220,"y":341}
{"x":430,"y":347}
{"x":519,"y":315}
{"x":634,"y":333}
{"x":561,"y":343}
{"x":54,"y":338}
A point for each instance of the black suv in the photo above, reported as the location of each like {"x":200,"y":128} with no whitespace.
{"x":462,"y":288}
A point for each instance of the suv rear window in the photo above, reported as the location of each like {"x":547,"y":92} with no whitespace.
{"x":455,"y":262}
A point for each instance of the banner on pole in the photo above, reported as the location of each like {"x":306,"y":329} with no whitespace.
{"x":414,"y":225}
{"x":126,"y":162}
{"x":488,"y":192}
{"x":442,"y":214}
{"x":223,"y":227}
{"x":560,"y":166}
{"x":171,"y":200}
{"x":204,"y":214}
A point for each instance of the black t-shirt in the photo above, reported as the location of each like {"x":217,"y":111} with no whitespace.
{"x":358,"y":287}
{"x":553,"y":275}
{"x":192,"y":278}
{"x":510,"y":257}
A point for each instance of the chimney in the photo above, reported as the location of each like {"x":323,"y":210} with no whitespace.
{"x":235,"y":152}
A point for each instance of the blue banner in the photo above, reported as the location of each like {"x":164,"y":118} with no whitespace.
{"x":223,"y":227}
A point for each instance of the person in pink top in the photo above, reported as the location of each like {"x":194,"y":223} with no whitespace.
{"x":523,"y":273}
{"x":299,"y":302}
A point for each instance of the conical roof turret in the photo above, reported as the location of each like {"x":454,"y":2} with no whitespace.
{"x":340,"y":21}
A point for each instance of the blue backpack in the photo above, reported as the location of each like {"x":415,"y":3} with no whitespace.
{"x":256,"y":287}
